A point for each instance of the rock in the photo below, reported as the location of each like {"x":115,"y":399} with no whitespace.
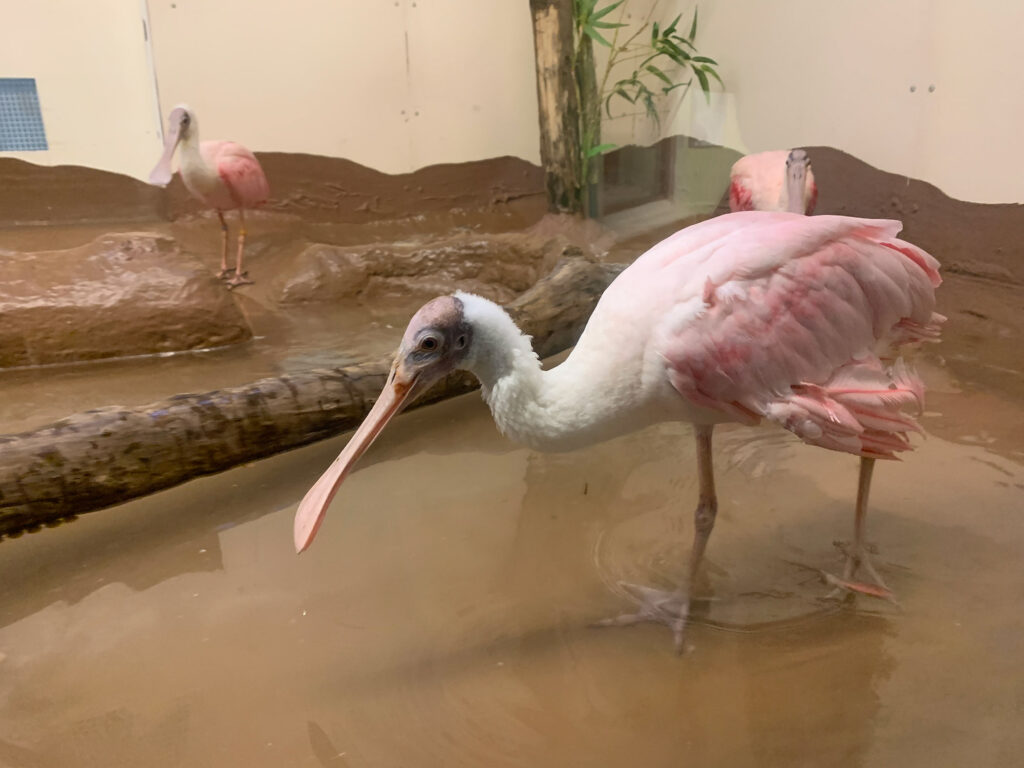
{"x":122,"y":294}
{"x":497,"y":266}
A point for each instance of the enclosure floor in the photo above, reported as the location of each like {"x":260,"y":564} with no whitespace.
{"x":441,"y":617}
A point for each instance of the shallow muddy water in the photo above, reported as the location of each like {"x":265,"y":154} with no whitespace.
{"x":441,"y":617}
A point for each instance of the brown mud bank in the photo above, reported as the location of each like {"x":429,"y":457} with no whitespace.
{"x":312,"y":187}
{"x":120,"y":295}
{"x":132,"y":294}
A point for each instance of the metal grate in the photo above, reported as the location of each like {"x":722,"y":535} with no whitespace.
{"x":21,"y":122}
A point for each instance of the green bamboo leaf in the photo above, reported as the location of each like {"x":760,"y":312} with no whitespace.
{"x":618,"y":91}
{"x":654,"y":33}
{"x":607,"y":9}
{"x":705,"y":60}
{"x":684,"y":41}
{"x":594,"y":35}
{"x":621,"y":91}
{"x":674,"y":52}
{"x":582,"y":10}
{"x":600,"y":149}
{"x":608,"y":105}
{"x":693,"y":26}
{"x":672,"y":27}
{"x":714,"y":74}
{"x":606,"y":25}
{"x":704,"y":85}
{"x":651,"y":111}
{"x":658,"y":73}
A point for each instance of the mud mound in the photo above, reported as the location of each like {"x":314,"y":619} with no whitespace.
{"x":498,"y":266}
{"x":122,"y":294}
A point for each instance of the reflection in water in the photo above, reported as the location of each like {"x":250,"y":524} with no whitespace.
{"x":326,"y":753}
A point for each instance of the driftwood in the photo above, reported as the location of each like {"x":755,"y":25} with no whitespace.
{"x":99,"y":458}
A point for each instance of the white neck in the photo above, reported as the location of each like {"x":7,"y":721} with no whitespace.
{"x":560,"y":409}
{"x":191,"y":158}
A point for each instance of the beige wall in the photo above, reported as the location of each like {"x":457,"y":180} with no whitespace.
{"x":393,"y":84}
{"x":401,"y":84}
{"x":806,"y":72}
{"x":95,"y":87}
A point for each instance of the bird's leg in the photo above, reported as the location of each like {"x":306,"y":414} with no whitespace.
{"x":672,"y":608}
{"x":224,"y":271}
{"x":858,"y":557}
{"x":240,"y":278}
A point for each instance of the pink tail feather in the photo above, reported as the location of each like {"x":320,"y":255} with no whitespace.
{"x":859,"y":410}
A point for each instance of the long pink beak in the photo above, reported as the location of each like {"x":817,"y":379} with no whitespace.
{"x":162,"y":173}
{"x":313,"y":506}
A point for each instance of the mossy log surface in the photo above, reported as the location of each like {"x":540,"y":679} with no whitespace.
{"x":103,"y":457}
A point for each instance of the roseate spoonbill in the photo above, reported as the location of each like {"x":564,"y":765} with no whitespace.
{"x":740,"y":318}
{"x":773,"y":181}
{"x":757,"y":185}
{"x":222,"y":175}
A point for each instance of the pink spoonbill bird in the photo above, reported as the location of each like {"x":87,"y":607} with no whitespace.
{"x":773,"y":181}
{"x":222,"y":175}
{"x":746,"y":317}
{"x":777,"y":181}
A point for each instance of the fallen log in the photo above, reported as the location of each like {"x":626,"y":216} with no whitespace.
{"x":103,"y":457}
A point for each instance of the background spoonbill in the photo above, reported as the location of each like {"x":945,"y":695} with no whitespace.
{"x":222,"y":175}
{"x":777,"y":181}
{"x":744,"y":317}
{"x":773,"y":181}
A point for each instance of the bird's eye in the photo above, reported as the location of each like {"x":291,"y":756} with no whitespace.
{"x":460,"y":342}
{"x":428,"y":344}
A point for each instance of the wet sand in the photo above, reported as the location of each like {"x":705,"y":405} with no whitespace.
{"x":441,"y":617}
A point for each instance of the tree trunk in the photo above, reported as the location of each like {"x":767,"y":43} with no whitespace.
{"x":106,"y":456}
{"x":557,"y":103}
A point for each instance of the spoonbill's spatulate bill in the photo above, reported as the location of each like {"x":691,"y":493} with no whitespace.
{"x":222,"y":175}
{"x":745,"y":317}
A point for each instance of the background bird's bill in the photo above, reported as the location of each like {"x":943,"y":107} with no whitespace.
{"x":313,"y":506}
{"x":161,"y":173}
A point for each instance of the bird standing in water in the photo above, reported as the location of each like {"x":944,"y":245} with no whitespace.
{"x":744,"y":317}
{"x":773,"y":181}
{"x":222,"y":175}
{"x":780,"y":181}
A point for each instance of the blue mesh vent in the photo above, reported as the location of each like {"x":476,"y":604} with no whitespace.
{"x":21,"y":122}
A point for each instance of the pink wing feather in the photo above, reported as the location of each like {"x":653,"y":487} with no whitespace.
{"x":784,"y":316}
{"x":739,"y":196}
{"x":241,"y":173}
